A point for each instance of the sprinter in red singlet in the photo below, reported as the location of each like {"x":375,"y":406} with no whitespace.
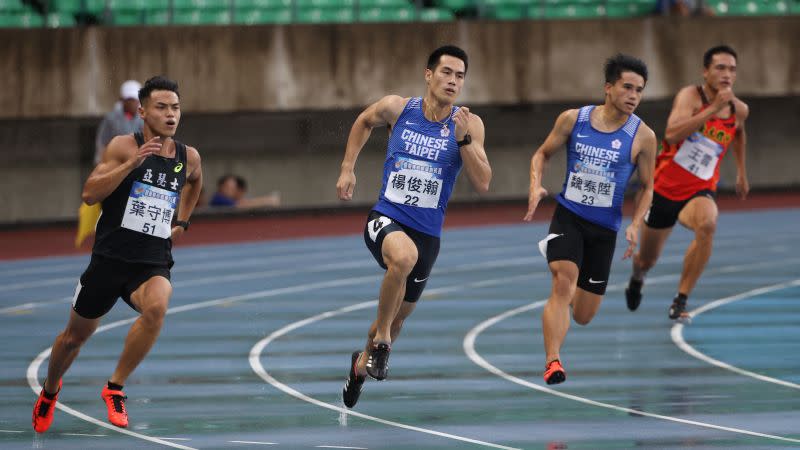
{"x":704,"y":122}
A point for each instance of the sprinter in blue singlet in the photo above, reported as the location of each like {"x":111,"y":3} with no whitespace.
{"x":604,"y":145}
{"x":431,"y":139}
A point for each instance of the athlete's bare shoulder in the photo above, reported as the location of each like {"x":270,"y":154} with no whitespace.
{"x":121,"y":148}
{"x":742,"y":110}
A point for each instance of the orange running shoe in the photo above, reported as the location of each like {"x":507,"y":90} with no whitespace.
{"x":43,"y":411}
{"x":115,"y":402}
{"x":554,"y":372}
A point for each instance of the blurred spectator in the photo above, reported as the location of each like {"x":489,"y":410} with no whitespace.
{"x":124,"y":119}
{"x":683,"y":8}
{"x":231,"y":190}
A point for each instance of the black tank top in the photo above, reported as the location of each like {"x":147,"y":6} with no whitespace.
{"x":136,"y":221}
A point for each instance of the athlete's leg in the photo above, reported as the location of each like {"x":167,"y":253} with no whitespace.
{"x":151,"y":299}
{"x":700,"y":216}
{"x":585,"y":305}
{"x":400,"y":255}
{"x":555,"y":316}
{"x":651,"y":245}
{"x":66,"y":348}
{"x":405,"y":310}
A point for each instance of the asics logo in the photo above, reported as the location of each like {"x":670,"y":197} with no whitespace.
{"x":583,"y":135}
{"x":594,"y":281}
{"x":416,"y":280}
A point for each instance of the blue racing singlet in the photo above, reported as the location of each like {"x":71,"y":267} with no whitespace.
{"x":422,"y":163}
{"x":598,"y":168}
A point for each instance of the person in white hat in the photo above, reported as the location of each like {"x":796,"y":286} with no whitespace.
{"x":124,"y":119}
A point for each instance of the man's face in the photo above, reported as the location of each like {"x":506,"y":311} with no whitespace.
{"x":626,"y":93}
{"x":162,"y":112}
{"x":230,"y":189}
{"x":721,"y":73}
{"x":447,"y":79}
{"x":130,"y":105}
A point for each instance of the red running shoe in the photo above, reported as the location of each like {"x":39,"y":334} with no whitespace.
{"x":43,"y":411}
{"x":554,"y":372}
{"x":115,"y":402}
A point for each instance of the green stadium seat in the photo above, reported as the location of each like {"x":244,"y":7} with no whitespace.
{"x":201,"y":4}
{"x":508,"y":11}
{"x":383,"y":3}
{"x":776,"y":7}
{"x":157,"y":17}
{"x":404,"y":14}
{"x":436,"y":15}
{"x":24,"y":20}
{"x":11,"y":6}
{"x":137,"y":5}
{"x":794,"y":6}
{"x":77,"y":6}
{"x":127,"y":18}
{"x":201,"y":17}
{"x":457,"y":5}
{"x":324,"y":4}
{"x":325,"y":15}
{"x":574,"y":11}
{"x":249,"y":5}
{"x":263,"y":16}
{"x":60,"y":20}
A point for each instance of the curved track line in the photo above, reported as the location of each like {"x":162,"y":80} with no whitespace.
{"x":258,"y":368}
{"x":469,"y":349}
{"x":677,"y":333}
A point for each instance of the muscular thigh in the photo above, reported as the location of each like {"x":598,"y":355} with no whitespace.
{"x":699,"y":210}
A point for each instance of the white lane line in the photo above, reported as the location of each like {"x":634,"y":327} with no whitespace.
{"x":469,"y":349}
{"x":254,"y":442}
{"x":258,"y":368}
{"x":11,"y":431}
{"x":677,"y":333}
{"x":174,"y":439}
{"x":32,"y":305}
{"x":84,"y":434}
{"x":341,"y":446}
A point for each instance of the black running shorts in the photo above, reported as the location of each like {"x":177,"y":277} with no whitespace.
{"x":663,"y":212}
{"x":378,"y":226}
{"x":588,"y":245}
{"x":106,"y":280}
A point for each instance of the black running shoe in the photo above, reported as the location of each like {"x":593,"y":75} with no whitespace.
{"x":378,"y":362}
{"x":677,"y":311}
{"x":353,"y":384}
{"x":633,"y":294}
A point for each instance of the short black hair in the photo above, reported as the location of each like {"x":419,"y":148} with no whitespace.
{"x":624,"y":63}
{"x":241,"y":183}
{"x":450,"y":50}
{"x":722,"y":48}
{"x":157,"y":83}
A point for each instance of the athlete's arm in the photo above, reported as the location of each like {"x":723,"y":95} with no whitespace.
{"x":683,"y":121}
{"x":119,"y":159}
{"x":191,"y":191}
{"x":739,"y":146}
{"x":381,"y":113}
{"x":555,"y":141}
{"x":476,"y":163}
{"x":645,"y":160}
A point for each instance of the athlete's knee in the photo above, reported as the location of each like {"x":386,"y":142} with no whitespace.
{"x":404,"y":261}
{"x":645,"y":262}
{"x":72,"y":338}
{"x":706,"y":228}
{"x":582,"y":318}
{"x":153,"y":312}
{"x":563,"y":286}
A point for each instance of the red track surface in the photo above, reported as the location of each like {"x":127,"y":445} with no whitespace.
{"x":57,"y":241}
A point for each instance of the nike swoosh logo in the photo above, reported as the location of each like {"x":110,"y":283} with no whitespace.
{"x":420,"y":281}
{"x":583,"y":135}
{"x":595,"y":282}
{"x":410,"y":123}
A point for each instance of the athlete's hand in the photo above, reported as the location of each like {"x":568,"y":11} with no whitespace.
{"x":177,"y":231}
{"x":461,"y":119}
{"x":742,"y":186}
{"x":536,"y":195}
{"x":149,"y":148}
{"x":632,"y":235}
{"x":346,"y":185}
{"x":724,"y":97}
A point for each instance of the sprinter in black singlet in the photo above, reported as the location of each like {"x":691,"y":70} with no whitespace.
{"x":148,"y":184}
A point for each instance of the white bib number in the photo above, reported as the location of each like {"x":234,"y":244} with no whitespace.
{"x":149,"y":210}
{"x":416,"y":183}
{"x":699,"y":155}
{"x":590,"y":190}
